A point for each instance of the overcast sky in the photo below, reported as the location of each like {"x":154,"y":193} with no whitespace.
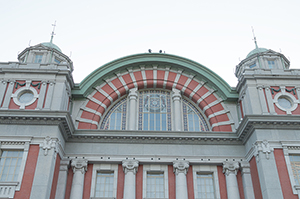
{"x":214,"y":33}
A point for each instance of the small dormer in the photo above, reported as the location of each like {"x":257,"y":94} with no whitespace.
{"x":44,"y":53}
{"x":262,"y":58}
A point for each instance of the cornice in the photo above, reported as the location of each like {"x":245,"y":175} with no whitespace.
{"x":39,"y":117}
{"x":152,"y":137}
{"x":252,"y":122}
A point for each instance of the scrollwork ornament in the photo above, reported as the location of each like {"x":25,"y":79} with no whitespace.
{"x":180,"y":167}
{"x":48,"y":144}
{"x":130,"y":166}
{"x":79,"y":164}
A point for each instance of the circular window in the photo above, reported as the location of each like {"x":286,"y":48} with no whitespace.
{"x":285,"y":102}
{"x":26,"y":96}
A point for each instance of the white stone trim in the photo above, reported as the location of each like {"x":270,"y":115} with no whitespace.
{"x":154,"y":76}
{"x":218,"y":113}
{"x":155,"y":168}
{"x":144,"y":75}
{"x":294,"y":102}
{"x":179,"y":73}
{"x":18,"y":92}
{"x":96,"y":101}
{"x":208,"y":93}
{"x":86,"y":121}
{"x":114,"y":88}
{"x":91,"y":111}
{"x":206,"y":169}
{"x":212,"y":104}
{"x":188,"y":81}
{"x":132,"y":77}
{"x":98,"y":88}
{"x":122,"y":81}
{"x":167,"y":70}
{"x":222,"y":123}
{"x":195,"y":90}
{"x":104,"y":167}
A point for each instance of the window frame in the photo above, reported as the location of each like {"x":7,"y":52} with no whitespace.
{"x":288,"y":150}
{"x":155,"y":169}
{"x":15,"y":145}
{"x":206,"y":169}
{"x":113,"y":168}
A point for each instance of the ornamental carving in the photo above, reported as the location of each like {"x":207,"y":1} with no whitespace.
{"x":48,"y":144}
{"x":230,"y":167}
{"x":130,"y":166}
{"x":262,"y":147}
{"x":180,"y":166}
{"x":79,"y":164}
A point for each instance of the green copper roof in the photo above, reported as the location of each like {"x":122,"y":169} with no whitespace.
{"x":213,"y":80}
{"x":257,"y":50}
{"x":51,"y":45}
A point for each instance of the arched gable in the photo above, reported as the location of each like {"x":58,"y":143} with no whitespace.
{"x":110,"y":82}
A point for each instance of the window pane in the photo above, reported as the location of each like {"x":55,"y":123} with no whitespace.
{"x":115,"y":119}
{"x":154,"y":110}
{"x":10,"y":165}
{"x":104,"y":184}
{"x":155,"y":185}
{"x":193,"y":120}
{"x":205,"y":186}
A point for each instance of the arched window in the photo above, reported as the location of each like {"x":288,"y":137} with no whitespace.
{"x":193,"y":120}
{"x":115,"y":119}
{"x":154,"y":112}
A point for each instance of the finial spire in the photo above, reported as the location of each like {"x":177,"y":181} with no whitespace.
{"x":254,"y":38}
{"x":52,"y":34}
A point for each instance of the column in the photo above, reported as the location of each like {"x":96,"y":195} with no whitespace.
{"x":176,"y":97}
{"x":180,"y":169}
{"x":247,"y":181}
{"x":130,"y":168}
{"x":43,"y":176}
{"x":267,"y":170}
{"x":132,"y":108}
{"x":230,"y":169}
{"x":62,"y":179}
{"x":262,"y":100}
{"x":79,"y":166}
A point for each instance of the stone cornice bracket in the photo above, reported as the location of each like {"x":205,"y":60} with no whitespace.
{"x":180,"y":166}
{"x":245,"y":167}
{"x":48,"y":144}
{"x":79,"y":164}
{"x":230,"y":167}
{"x":262,"y":147}
{"x":130,"y":166}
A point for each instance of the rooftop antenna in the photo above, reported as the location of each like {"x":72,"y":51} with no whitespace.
{"x":254,"y":37}
{"x":29,"y":42}
{"x":52,"y":34}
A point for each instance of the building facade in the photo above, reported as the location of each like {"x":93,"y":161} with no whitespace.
{"x":147,"y":126}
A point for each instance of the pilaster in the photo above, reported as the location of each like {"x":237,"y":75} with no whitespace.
{"x":176,"y":97}
{"x":130,"y":168}
{"x":180,"y":168}
{"x":267,"y":170}
{"x":230,"y":169}
{"x":62,"y":179}
{"x":133,"y":96}
{"x":79,"y":166}
{"x":247,"y":181}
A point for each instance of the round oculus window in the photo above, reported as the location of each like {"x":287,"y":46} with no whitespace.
{"x":285,"y":102}
{"x":26,"y":97}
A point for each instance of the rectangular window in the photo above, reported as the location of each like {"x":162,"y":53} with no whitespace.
{"x":38,"y":59}
{"x":252,"y":66}
{"x":155,"y":185}
{"x":271,"y":64}
{"x":104,"y":184}
{"x":57,"y":61}
{"x":295,"y":164}
{"x":205,"y":186}
{"x":10,"y":163}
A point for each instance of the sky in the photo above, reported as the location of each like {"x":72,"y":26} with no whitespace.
{"x":214,"y":33}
